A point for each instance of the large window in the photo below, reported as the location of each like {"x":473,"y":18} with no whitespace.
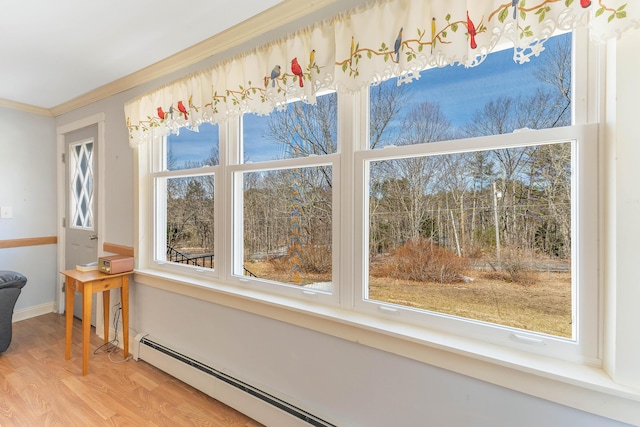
{"x":462,"y":234}
{"x":486,"y":237}
{"x":284,"y":218}
{"x":460,"y":202}
{"x":471,"y":210}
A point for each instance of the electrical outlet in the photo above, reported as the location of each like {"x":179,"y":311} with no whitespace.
{"x":6,"y":212}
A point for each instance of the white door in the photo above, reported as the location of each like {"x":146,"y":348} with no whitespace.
{"x":81,"y":217}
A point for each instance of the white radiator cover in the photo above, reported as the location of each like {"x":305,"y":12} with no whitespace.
{"x":261,"y":406}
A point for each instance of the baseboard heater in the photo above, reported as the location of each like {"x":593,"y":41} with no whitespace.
{"x":270,"y":410}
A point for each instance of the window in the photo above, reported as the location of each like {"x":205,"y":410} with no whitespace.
{"x":185,"y":204}
{"x":284,"y":226}
{"x":499,"y":255}
{"x":471,"y":208}
{"x":81,"y":171}
{"x":461,"y":234}
{"x":458,"y":203}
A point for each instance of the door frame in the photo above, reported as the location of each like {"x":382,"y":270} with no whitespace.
{"x":98,"y":119}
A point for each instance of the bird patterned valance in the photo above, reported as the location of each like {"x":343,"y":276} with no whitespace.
{"x":389,"y":38}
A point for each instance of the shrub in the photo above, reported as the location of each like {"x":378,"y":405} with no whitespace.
{"x":315,"y":259}
{"x":422,"y":260}
{"x":518,"y":272}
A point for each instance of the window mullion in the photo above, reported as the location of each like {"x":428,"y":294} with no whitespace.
{"x":229,"y":155}
{"x":351,"y":136}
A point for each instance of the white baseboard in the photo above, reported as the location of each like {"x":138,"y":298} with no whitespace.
{"x":36,"y":310}
{"x":228,"y":390}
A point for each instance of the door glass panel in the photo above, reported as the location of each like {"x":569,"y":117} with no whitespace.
{"x":81,"y":179}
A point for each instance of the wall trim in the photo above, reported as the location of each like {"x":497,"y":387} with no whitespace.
{"x":118,"y":249}
{"x":14,"y":105}
{"x":34,"y":311}
{"x":29,"y":241}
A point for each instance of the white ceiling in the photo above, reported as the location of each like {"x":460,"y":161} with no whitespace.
{"x":54,"y":51}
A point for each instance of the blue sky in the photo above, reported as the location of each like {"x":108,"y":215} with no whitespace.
{"x":190,"y":146}
{"x":459,"y":92}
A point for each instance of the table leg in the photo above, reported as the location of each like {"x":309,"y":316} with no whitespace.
{"x":69,"y":297}
{"x":86,"y":325}
{"x":106,"y":296}
{"x":124,"y":301}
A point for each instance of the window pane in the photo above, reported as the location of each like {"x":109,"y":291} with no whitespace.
{"x":190,"y":149}
{"x":300,"y":130}
{"x":288,"y":226}
{"x":496,"y":97}
{"x":190,"y":221}
{"x":484,"y":235}
{"x":81,"y":181}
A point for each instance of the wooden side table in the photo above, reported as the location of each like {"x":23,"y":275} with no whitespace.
{"x":87,"y":283}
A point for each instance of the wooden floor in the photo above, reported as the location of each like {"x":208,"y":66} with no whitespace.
{"x":38,"y":387}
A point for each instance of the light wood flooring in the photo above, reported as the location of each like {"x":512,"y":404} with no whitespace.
{"x":38,"y":387}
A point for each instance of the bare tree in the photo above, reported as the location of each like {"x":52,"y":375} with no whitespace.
{"x":549,"y":106}
{"x":386,"y":103}
{"x":494,"y":118}
{"x":555,"y":70}
{"x":302,"y":129}
{"x":423,"y":124}
{"x":403,"y":185}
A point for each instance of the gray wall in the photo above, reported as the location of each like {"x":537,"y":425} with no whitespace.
{"x":28,"y":185}
{"x":348,"y":383}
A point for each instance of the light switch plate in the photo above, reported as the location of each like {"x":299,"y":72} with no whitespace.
{"x":6,"y":212}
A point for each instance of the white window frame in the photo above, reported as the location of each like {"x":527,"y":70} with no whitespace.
{"x":158,"y":176}
{"x":584,"y":348}
{"x":234,"y":174}
{"x":160,"y":220}
{"x":235,"y":168}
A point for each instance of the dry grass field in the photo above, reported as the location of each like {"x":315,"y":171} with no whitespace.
{"x":541,"y":304}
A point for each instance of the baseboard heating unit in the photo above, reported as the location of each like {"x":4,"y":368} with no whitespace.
{"x":255,"y":403}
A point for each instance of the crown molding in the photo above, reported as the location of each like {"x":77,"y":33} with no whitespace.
{"x":281,"y":14}
{"x":14,"y":105}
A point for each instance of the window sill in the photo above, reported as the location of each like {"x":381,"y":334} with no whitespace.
{"x":583,"y":387}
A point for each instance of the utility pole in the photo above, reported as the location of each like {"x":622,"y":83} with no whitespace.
{"x":495,"y":218}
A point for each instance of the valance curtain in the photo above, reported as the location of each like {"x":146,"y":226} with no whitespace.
{"x":389,"y":38}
